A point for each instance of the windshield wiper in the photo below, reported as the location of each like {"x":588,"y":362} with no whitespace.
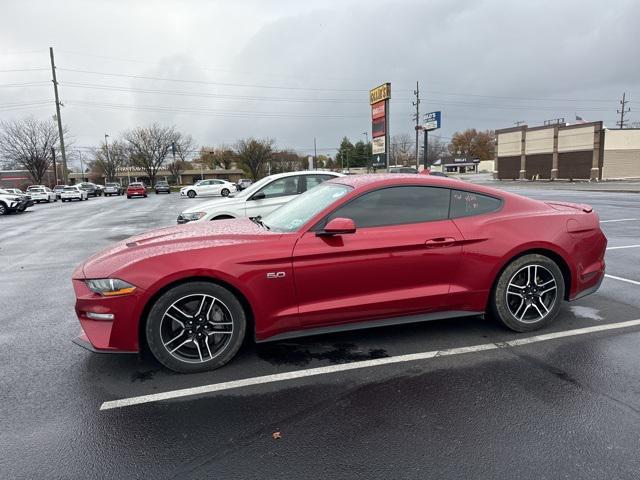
{"x":259,"y":221}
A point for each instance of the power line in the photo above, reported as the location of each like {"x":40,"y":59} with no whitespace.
{"x":23,"y":70}
{"x":208,"y":95}
{"x":220,"y":84}
{"x":25,"y":84}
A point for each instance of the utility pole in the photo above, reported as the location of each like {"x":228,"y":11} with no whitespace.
{"x":106,"y":147}
{"x":622,"y":122}
{"x":416,"y":92}
{"x":60,"y":132}
{"x":81,"y":166}
{"x":55,"y":167}
{"x":519,"y":122}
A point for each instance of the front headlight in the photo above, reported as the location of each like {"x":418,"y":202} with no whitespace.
{"x":110,"y":287}
{"x":193,"y":216}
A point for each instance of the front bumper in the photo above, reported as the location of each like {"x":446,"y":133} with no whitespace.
{"x":119,"y":334}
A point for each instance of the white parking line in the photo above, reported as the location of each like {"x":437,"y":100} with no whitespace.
{"x":280,"y":377}
{"x":619,"y":220}
{"x":622,"y":279}
{"x":623,"y":246}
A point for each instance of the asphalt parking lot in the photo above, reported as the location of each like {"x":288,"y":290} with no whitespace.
{"x":565,"y":405}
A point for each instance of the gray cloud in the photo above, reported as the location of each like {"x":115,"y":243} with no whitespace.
{"x":578,"y":52}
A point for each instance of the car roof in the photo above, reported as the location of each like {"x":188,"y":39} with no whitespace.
{"x":275,"y":176}
{"x":397,"y":179}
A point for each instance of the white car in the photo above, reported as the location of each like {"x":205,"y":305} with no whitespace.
{"x":260,"y":198}
{"x":42,"y":194}
{"x":74,"y":193}
{"x":214,"y":186}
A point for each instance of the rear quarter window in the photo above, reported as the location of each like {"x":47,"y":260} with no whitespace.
{"x":467,"y":204}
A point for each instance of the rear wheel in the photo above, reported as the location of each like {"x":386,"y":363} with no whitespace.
{"x":196,"y":326}
{"x":3,"y":209}
{"x":528,"y":293}
{"x":225,"y":192}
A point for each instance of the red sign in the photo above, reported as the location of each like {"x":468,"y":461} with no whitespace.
{"x":378,"y":127}
{"x":377,"y":110}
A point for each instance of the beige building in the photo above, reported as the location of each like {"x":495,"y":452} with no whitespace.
{"x":581,"y":151}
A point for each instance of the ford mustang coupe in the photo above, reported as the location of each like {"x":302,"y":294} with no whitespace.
{"x":353,"y":252}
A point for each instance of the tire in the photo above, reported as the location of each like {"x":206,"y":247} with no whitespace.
{"x":226,"y":310}
{"x":3,"y":209}
{"x":191,"y":194}
{"x":522,"y":305}
{"x":225,"y":192}
{"x":144,"y":196}
{"x":129,"y":197}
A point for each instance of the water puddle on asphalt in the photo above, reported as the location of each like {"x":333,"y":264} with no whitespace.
{"x":586,"y":312}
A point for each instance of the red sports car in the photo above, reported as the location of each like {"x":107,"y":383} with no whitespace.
{"x":353,"y":252}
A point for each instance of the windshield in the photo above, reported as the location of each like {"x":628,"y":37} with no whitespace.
{"x":111,"y":185}
{"x":293,"y":215}
{"x":69,"y":189}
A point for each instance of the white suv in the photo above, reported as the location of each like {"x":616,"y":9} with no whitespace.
{"x":214,"y":186}
{"x":42,"y":194}
{"x":259,"y":199}
{"x":74,"y":192}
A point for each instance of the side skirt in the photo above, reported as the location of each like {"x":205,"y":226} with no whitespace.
{"x":385,"y":322}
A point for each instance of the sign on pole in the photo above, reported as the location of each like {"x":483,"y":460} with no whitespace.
{"x":378,"y":146}
{"x":432,"y":121}
{"x":379,"y":100}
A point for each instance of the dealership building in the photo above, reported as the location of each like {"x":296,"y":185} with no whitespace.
{"x":561,"y":151}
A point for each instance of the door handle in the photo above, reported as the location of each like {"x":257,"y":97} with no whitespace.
{"x":440,"y":242}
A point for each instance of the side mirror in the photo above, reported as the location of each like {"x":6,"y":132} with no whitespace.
{"x":258,"y":196}
{"x":338,"y":226}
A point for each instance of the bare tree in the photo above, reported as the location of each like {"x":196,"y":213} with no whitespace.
{"x":403,"y":149}
{"x":222,"y":156}
{"x":253,"y":154}
{"x":149,"y":146}
{"x":109,"y":160}
{"x":436,"y":149}
{"x":27,"y":144}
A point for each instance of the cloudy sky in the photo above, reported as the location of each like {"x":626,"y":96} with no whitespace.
{"x":295,"y":70}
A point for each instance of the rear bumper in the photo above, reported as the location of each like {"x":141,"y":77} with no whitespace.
{"x":591,"y":285}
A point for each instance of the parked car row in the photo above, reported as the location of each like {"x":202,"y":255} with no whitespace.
{"x":14,"y":200}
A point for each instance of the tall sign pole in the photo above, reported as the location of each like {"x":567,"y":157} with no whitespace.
{"x":379,"y":100}
{"x":433,"y":121}
{"x":60,"y":132}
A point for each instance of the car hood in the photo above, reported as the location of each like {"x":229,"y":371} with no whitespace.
{"x":165,"y":241}
{"x":224,"y":202}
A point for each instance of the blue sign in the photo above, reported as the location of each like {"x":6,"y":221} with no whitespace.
{"x":432,"y":121}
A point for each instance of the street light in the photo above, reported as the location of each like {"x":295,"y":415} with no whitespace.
{"x":366,"y":145}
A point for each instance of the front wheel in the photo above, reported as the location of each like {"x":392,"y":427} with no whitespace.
{"x":3,"y":209}
{"x":191,"y":194}
{"x":528,"y":293}
{"x":225,"y":192}
{"x":196,"y":326}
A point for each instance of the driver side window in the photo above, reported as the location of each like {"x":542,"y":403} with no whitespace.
{"x":282,"y":187}
{"x":396,"y":206}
